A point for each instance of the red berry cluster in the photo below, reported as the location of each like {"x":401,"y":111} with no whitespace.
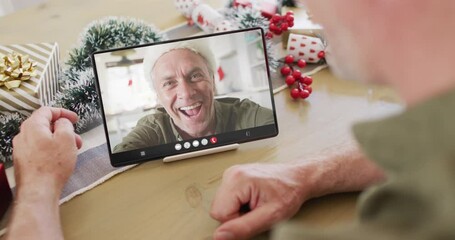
{"x":303,"y":89}
{"x":279,"y":24}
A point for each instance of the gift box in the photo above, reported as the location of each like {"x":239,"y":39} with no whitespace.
{"x":206,"y":18}
{"x":310,"y":49}
{"x":268,"y":8}
{"x":302,"y":25}
{"x":5,"y":192}
{"x":28,"y":76}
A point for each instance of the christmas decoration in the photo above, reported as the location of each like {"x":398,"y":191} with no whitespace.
{"x":78,"y":92}
{"x":303,"y":24}
{"x":28,"y":76}
{"x":286,"y":70}
{"x":206,"y":17}
{"x":186,"y":7}
{"x":295,"y":93}
{"x":79,"y":95}
{"x":224,"y":26}
{"x":297,"y":74}
{"x":311,"y":49}
{"x":243,"y":18}
{"x":280,"y":24}
{"x":289,"y":59}
{"x":9,"y":126}
{"x":290,"y":80}
{"x":301,"y":63}
{"x":288,"y":3}
{"x":294,"y":76}
{"x":267,"y":8}
{"x":15,"y":68}
{"x":246,"y":18}
{"x":242,"y":3}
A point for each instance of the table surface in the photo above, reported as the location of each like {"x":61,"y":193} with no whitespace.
{"x":172,"y":201}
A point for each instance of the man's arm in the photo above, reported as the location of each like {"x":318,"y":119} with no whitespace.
{"x":44,"y":154}
{"x":275,"y":192}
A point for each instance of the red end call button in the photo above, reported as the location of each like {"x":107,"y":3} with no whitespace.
{"x":213,"y":140}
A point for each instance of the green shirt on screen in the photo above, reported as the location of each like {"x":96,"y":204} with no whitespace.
{"x":417,"y":151}
{"x":231,"y":114}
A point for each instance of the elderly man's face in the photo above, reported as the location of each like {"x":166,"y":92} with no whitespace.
{"x":185,"y":89}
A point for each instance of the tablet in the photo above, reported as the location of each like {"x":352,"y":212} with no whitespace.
{"x":186,"y":95}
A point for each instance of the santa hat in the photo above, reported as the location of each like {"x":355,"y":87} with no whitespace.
{"x":198,"y":46}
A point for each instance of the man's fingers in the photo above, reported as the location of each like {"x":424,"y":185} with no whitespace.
{"x":248,"y":225}
{"x":58,"y":113}
{"x":52,"y":114}
{"x":78,"y":141}
{"x":230,"y":197}
{"x":64,"y":131}
{"x":225,"y":208}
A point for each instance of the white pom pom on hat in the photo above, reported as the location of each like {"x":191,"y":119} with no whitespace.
{"x":199,"y":46}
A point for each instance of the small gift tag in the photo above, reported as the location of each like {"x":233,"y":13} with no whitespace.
{"x":5,"y":192}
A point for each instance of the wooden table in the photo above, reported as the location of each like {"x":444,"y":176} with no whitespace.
{"x":172,"y":201}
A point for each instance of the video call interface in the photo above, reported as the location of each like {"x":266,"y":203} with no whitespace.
{"x":186,"y":94}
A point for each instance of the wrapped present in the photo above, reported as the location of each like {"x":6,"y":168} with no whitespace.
{"x":242,"y":3}
{"x":224,"y":26}
{"x":5,"y":191}
{"x":302,"y":25}
{"x":186,"y":7}
{"x":206,"y":18}
{"x":268,"y":8}
{"x":28,"y":76}
{"x":311,"y":49}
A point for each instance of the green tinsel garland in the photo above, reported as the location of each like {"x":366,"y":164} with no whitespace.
{"x":78,"y":92}
{"x":9,"y":127}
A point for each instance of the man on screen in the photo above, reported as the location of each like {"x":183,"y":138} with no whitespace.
{"x":182,"y":75}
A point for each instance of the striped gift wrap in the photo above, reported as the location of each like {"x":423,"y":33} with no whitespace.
{"x":39,"y":90}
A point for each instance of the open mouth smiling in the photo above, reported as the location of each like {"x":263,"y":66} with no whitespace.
{"x":192,"y":110}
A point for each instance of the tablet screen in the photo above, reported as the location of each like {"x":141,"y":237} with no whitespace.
{"x":185,"y":95}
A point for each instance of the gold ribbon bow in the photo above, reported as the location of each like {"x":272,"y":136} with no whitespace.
{"x":15,"y":68}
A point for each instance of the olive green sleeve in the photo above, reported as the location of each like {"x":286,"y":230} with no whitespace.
{"x":297,"y":231}
{"x":148,"y":132}
{"x":254,"y":115}
{"x":264,"y":116}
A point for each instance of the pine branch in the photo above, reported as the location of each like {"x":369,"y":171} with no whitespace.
{"x":78,"y":92}
{"x":9,"y":127}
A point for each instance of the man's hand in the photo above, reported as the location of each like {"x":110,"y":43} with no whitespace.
{"x":45,"y":150}
{"x":275,"y":192}
{"x":272,"y":192}
{"x":44,"y":154}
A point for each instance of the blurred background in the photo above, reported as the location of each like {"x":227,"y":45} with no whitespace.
{"x":10,"y":6}
{"x":127,"y":96}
